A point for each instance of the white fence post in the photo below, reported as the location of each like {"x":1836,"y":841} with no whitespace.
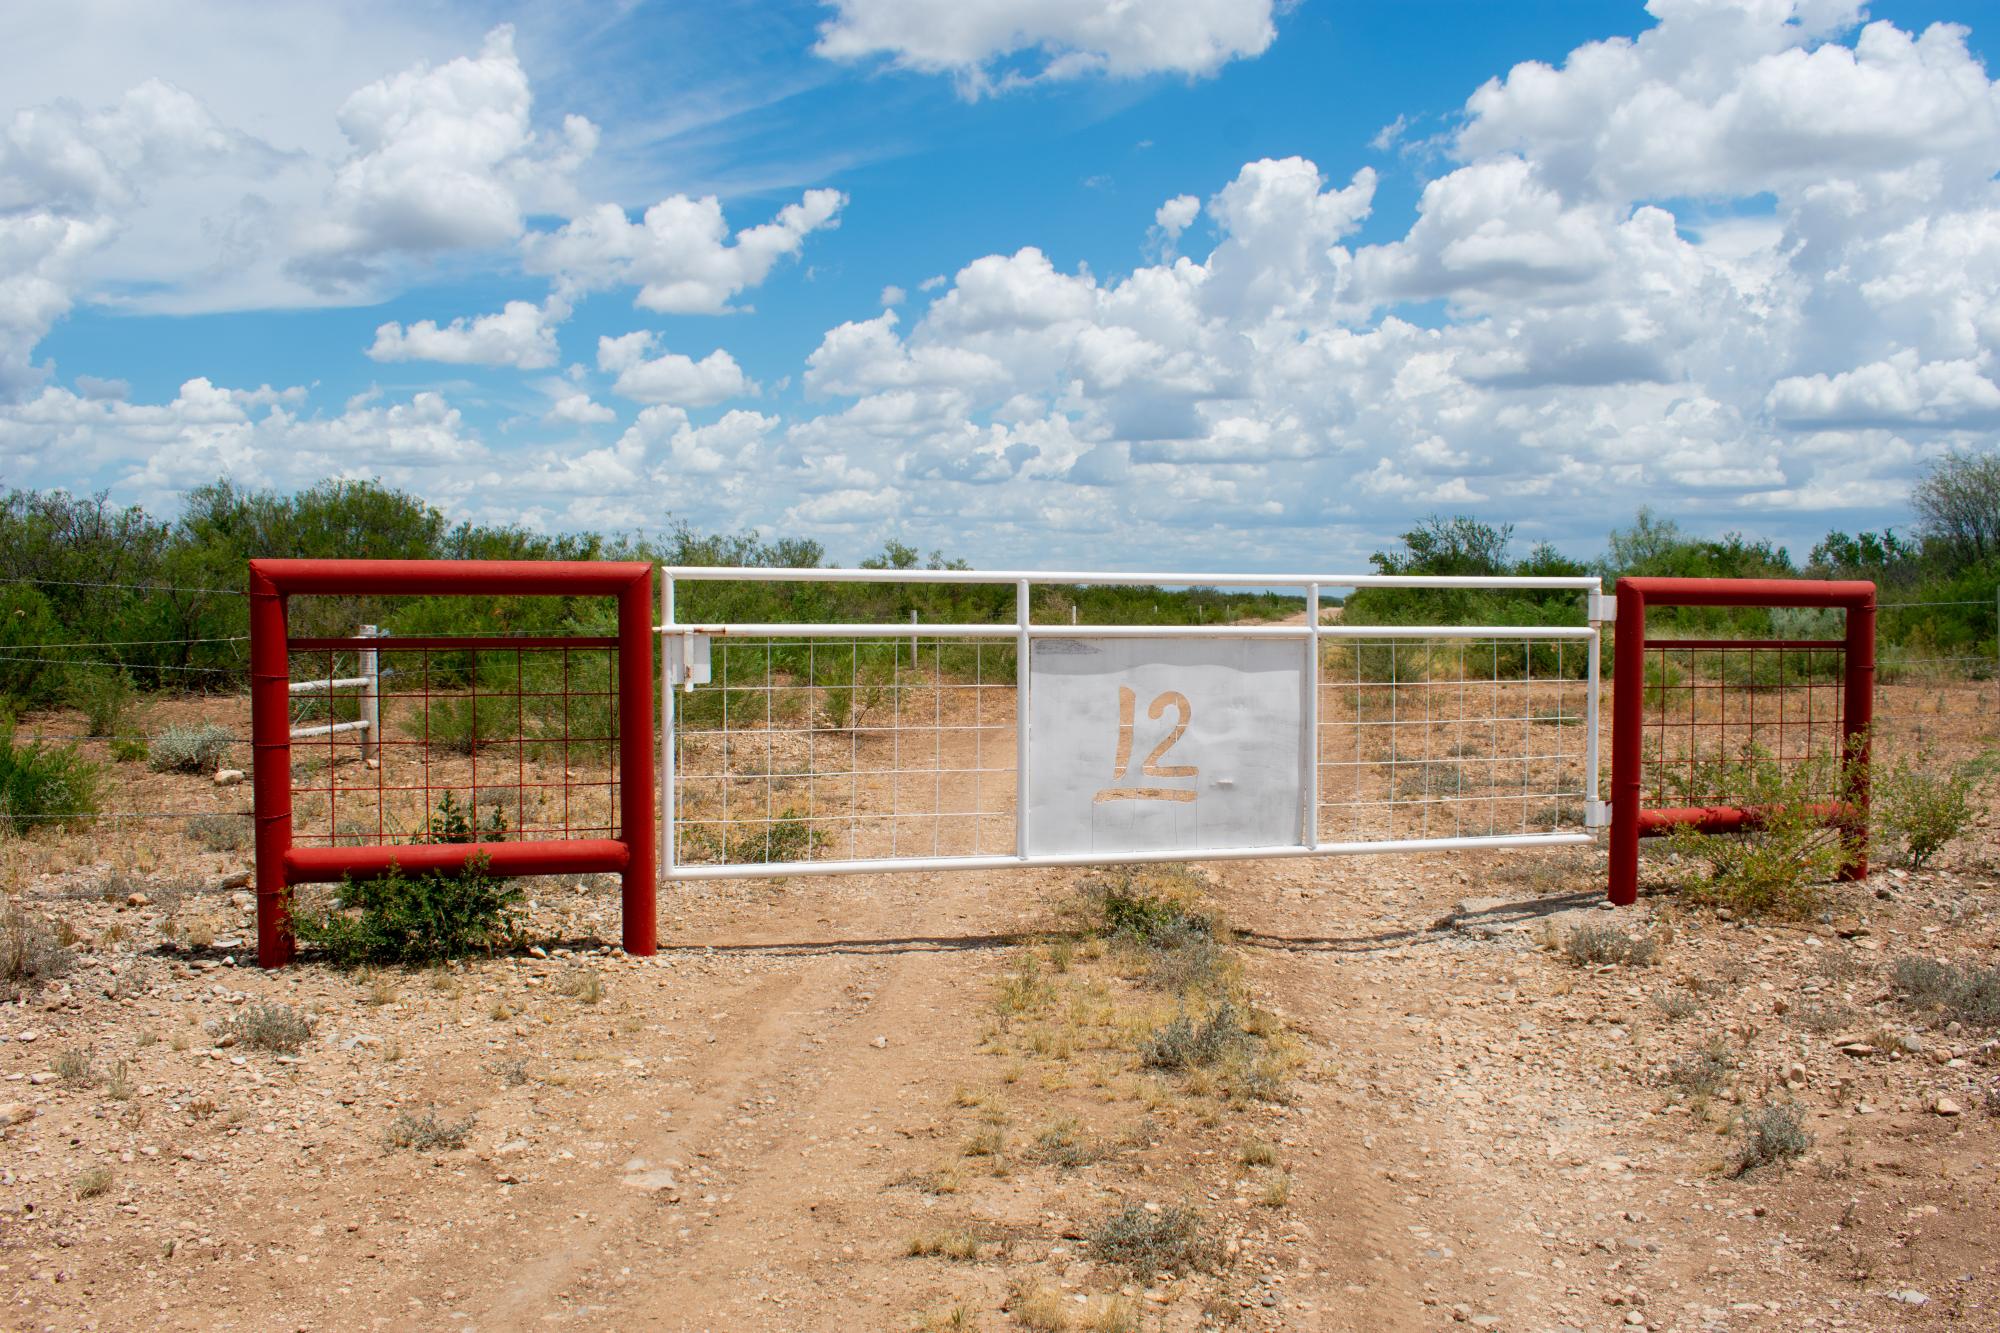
{"x":371,"y":703}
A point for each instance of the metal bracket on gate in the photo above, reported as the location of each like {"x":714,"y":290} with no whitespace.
{"x":1602,"y":608}
{"x":687,"y":659}
{"x":1596,"y":814}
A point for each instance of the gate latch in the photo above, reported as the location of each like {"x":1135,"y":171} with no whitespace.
{"x":687,"y":660}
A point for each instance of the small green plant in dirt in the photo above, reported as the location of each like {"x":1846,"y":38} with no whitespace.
{"x":219,"y":833}
{"x":267,"y":1027}
{"x":30,"y":952}
{"x":454,"y":823}
{"x":582,"y":984}
{"x":199,"y":748}
{"x":1703,"y":1072}
{"x":1922,"y":806}
{"x":1770,"y":1136}
{"x":786,"y":836}
{"x":1676,"y":1006}
{"x":958,"y":1243}
{"x":74,"y":1069}
{"x":1777,"y":865}
{"x":1257,"y":1152}
{"x":1146,"y":1241}
{"x":1157,"y":914}
{"x":1188,"y":1043}
{"x":1589,"y":946}
{"x":93,"y":1182}
{"x":103,"y":695}
{"x":129,"y":749}
{"x":418,"y":919}
{"x":427,"y":1133}
{"x":43,"y":785}
{"x":1952,"y":991}
{"x":1065,"y":1146}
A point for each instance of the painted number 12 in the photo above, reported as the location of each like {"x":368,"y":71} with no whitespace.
{"x":1152,"y":767}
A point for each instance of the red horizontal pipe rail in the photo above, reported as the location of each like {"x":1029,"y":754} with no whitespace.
{"x":1728,"y":818}
{"x":417,"y":578}
{"x":280,"y":864}
{"x":450,"y":641}
{"x":1628,"y":716}
{"x":325,"y":865}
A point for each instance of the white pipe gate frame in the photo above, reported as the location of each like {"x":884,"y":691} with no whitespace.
{"x":1129,"y":743}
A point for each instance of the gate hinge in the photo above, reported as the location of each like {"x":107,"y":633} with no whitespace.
{"x":1602,"y":608}
{"x":1596,"y":814}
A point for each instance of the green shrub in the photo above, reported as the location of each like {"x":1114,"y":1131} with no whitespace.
{"x":1704,"y":1072}
{"x":1776,"y":866}
{"x":1969,"y":994}
{"x":30,"y":953}
{"x":129,"y":749}
{"x":200,"y":748}
{"x":1922,"y":806}
{"x":31,"y":674}
{"x":267,"y":1027}
{"x":1144,"y":1241}
{"x":1771,"y":1136}
{"x":103,"y":695}
{"x":1186,"y":1044}
{"x":43,"y":784}
{"x":452,"y":822}
{"x":1589,"y":946}
{"x":427,"y":1133}
{"x":219,"y":833}
{"x":426,"y":918}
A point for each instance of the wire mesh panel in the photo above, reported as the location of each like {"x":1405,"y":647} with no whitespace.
{"x":798,"y":746}
{"x":802,"y":750}
{"x":1710,"y":703}
{"x":1452,"y":738}
{"x":481,"y":740}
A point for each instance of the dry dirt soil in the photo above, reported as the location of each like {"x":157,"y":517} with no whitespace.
{"x":815,"y":1077}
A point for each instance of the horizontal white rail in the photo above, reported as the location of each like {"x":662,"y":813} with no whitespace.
{"x":320,"y":686}
{"x":1099,"y":578}
{"x":299,"y":733}
{"x":868,"y":866}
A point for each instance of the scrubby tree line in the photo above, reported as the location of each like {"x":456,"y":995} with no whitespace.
{"x":1950,"y":558}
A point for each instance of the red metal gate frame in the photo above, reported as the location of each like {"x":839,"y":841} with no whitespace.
{"x":1629,"y":822}
{"x":280,"y":865}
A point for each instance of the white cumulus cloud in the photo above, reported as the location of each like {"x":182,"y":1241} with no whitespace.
{"x":670,"y":377}
{"x":520,"y":335}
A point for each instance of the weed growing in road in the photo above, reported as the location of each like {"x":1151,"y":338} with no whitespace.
{"x":426,"y":1133}
{"x":1589,"y":946}
{"x":1064,"y":1145}
{"x":959,"y":1243}
{"x":267,"y":1027}
{"x":91,"y":1183}
{"x":585,"y":985}
{"x":1187,"y":1044}
{"x":1960,"y":991}
{"x":1770,"y":1136}
{"x":1676,"y":1005}
{"x":1154,"y":1240}
{"x":1705,"y":1072}
{"x":1277,"y":1190}
{"x":118,"y":1082}
{"x":74,"y":1069}
{"x":1257,"y":1152}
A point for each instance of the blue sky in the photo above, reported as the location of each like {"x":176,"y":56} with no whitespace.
{"x":1746,"y":270}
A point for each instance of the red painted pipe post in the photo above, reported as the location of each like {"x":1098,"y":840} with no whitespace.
{"x":1858,"y":710}
{"x":271,"y":766}
{"x":1628,"y":686}
{"x":638,"y":807}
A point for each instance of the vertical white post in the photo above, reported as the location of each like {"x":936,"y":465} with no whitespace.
{"x":669,"y":794}
{"x":1072,"y":615}
{"x":371,"y":703}
{"x":913,"y":639}
{"x":1309,"y":817}
{"x":1595,"y":606}
{"x":1021,"y":643}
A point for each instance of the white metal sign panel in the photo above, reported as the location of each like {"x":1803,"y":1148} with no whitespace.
{"x":1165,"y":744}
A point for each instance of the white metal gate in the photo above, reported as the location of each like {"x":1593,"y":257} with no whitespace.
{"x":812,"y":747}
